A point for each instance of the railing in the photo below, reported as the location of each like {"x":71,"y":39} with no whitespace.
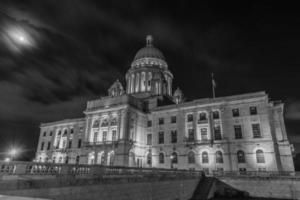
{"x":34,"y":168}
{"x":219,"y":173}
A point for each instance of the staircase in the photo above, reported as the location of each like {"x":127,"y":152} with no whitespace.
{"x":203,"y":189}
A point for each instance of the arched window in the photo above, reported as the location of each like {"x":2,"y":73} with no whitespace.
{"x":143,"y":82}
{"x":174,"y":158}
{"x":205,"y":157}
{"x":161,"y":158}
{"x":241,"y":157}
{"x":149,"y":158}
{"x":219,"y":157}
{"x":260,"y":157}
{"x":132,"y":83}
{"x":65,"y":133}
{"x":60,"y":160}
{"x":191,"y":157}
{"x":149,"y":81}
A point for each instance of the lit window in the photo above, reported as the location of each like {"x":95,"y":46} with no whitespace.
{"x":104,"y":136}
{"x":114,"y":135}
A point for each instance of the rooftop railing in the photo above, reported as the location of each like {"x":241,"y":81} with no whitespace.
{"x":219,"y":173}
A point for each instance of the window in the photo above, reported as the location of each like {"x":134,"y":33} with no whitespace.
{"x":149,"y":159}
{"x":59,"y":133}
{"x":241,"y":157}
{"x":238,"y":131}
{"x":71,"y":131}
{"x":173,"y":119}
{"x":45,"y":133}
{"x":174,"y":159}
{"x":203,"y":133}
{"x":65,"y":133}
{"x":70,"y":144}
{"x":190,"y":118}
{"x":114,"y":135}
{"x":149,"y":123}
{"x":205,"y":157}
{"x":104,"y":136}
{"x":160,"y":137}
{"x":191,"y":136}
{"x":174,"y":136}
{"x":216,"y":114}
{"x":149,"y":139}
{"x":104,"y":123}
{"x":161,"y":158}
{"x":79,"y":143}
{"x":42,"y":146}
{"x":217,"y":132}
{"x":53,"y":159}
{"x":48,"y":145}
{"x":96,"y":124}
{"x":67,"y":160}
{"x":253,"y":110}
{"x":51,"y":133}
{"x":77,"y":159}
{"x":202,"y":116}
{"x":161,"y":121}
{"x":235,"y":112}
{"x":260,"y":157}
{"x":113,"y":122}
{"x":191,"y":157}
{"x":80,"y":129}
{"x":219,"y":157}
{"x":256,"y":131}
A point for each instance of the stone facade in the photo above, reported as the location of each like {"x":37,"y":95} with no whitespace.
{"x":147,"y":125}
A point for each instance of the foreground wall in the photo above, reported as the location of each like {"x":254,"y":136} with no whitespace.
{"x":112,"y":190}
{"x":268,"y":187}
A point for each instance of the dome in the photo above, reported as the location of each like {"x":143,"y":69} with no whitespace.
{"x":149,"y":51}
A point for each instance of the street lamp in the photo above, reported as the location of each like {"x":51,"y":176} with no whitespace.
{"x":171,"y":160}
{"x":13,"y":153}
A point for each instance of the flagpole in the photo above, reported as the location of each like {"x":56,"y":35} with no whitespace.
{"x":213,"y":84}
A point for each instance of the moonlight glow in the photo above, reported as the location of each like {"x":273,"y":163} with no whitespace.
{"x":18,"y":39}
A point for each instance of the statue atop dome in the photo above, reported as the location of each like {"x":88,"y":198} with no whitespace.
{"x":178,"y":96}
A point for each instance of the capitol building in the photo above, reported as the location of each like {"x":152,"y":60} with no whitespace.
{"x":146,"y":124}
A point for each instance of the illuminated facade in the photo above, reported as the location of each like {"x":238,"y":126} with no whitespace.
{"x":145,"y":124}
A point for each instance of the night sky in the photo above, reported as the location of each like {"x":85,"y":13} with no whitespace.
{"x":67,"y":52}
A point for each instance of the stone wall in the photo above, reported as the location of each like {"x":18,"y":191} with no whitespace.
{"x":268,"y":187}
{"x":161,"y":190}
